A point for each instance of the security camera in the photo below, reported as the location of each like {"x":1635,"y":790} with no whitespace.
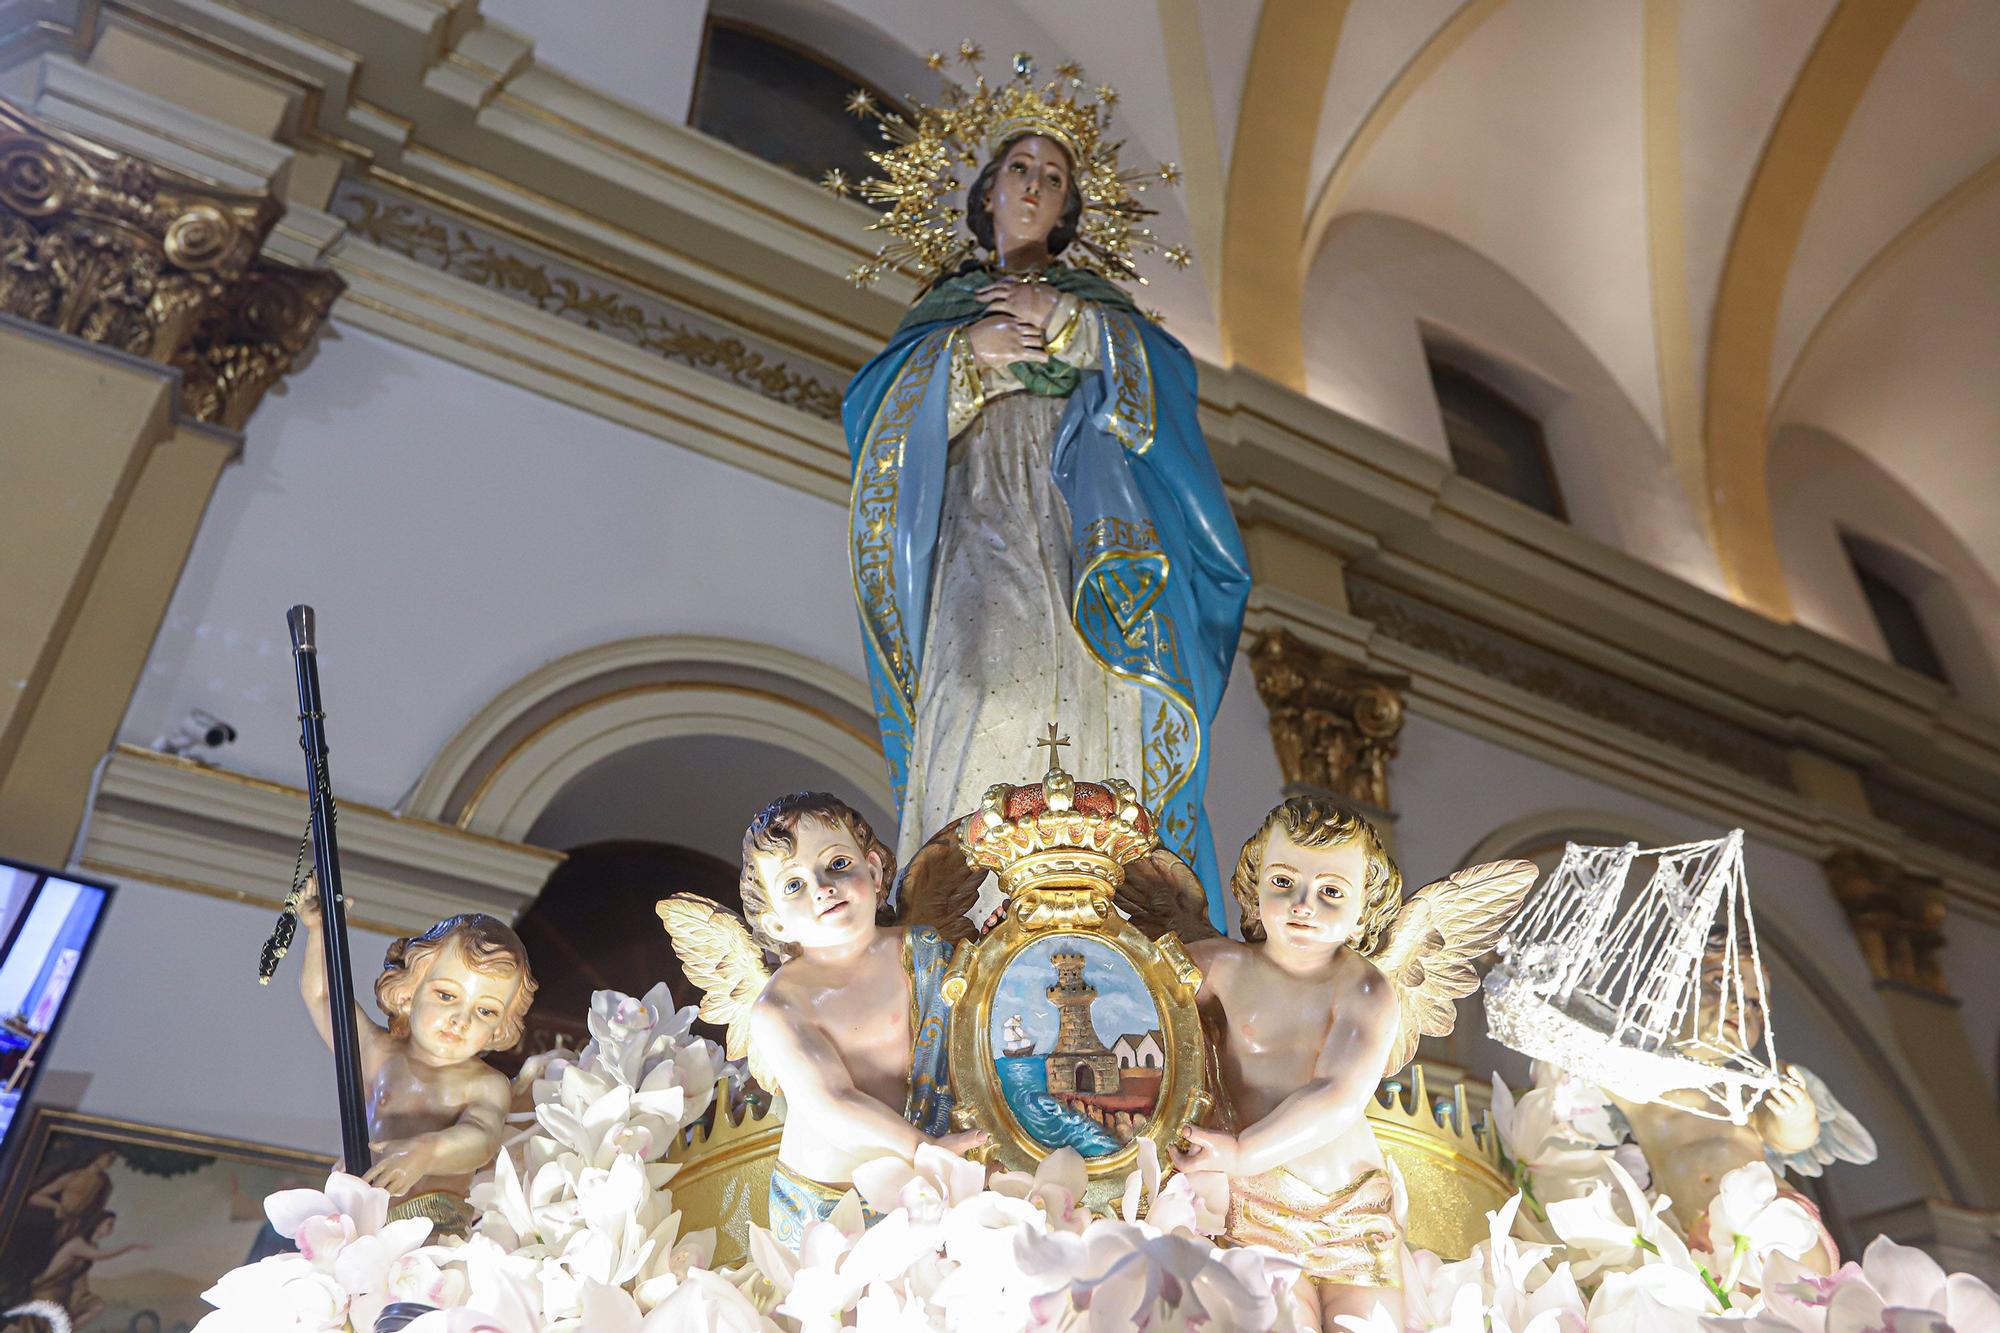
{"x":200,"y":730}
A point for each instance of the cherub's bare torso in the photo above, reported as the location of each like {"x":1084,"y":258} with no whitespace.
{"x":862,"y":1011}
{"x":1277,"y":1026}
{"x":408,"y":1097}
{"x":1689,"y":1154}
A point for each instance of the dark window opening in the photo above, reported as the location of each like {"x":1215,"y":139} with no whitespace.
{"x":1894,"y":609}
{"x":758,"y":92}
{"x":1495,"y":442}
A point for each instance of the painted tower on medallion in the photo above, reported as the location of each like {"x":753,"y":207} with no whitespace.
{"x":1080,"y":1061}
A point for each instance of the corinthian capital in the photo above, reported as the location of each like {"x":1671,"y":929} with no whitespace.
{"x":1335,"y":725}
{"x":112,"y":249}
{"x":1897,"y":918}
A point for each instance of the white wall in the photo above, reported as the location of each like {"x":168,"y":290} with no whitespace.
{"x":454,"y":532}
{"x":1971,"y":946}
{"x":1380,"y":286}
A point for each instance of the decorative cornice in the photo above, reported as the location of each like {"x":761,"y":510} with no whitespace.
{"x":1598,"y":694}
{"x":1335,"y":724}
{"x":1898,"y":918}
{"x":177,"y":823}
{"x":1934,"y":822}
{"x":455,"y":246}
{"x":109,"y":248}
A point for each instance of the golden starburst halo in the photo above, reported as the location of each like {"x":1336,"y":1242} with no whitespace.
{"x":931,"y":146}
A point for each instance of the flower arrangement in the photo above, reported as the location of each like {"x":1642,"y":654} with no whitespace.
{"x":577,"y":1231}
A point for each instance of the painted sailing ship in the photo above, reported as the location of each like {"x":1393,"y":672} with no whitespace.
{"x":1017,"y":1041}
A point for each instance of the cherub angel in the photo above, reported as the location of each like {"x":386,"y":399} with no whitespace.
{"x":436,"y":1110}
{"x":1798,"y":1125}
{"x":1336,"y":980}
{"x":851,"y":1024}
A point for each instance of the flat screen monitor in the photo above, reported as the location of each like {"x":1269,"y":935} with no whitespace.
{"x":47,"y":921}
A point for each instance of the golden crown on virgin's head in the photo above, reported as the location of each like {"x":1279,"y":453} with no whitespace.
{"x":1059,"y":834}
{"x":933,"y":145}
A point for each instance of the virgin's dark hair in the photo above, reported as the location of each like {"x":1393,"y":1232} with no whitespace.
{"x":979,"y":208}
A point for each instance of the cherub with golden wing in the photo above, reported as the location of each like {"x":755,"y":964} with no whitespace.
{"x":850,"y":1025}
{"x":1336,"y":980}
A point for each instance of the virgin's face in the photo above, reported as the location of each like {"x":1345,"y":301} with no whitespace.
{"x":1028,"y":192}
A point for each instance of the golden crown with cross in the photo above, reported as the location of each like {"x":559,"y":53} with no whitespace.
{"x":920,"y":180}
{"x":1059,"y":834}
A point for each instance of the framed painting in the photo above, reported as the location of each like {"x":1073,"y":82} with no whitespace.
{"x":125,"y":1225}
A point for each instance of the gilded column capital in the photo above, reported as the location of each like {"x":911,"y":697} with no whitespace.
{"x":117,"y":251}
{"x":1897,"y":918}
{"x":1335,"y":724}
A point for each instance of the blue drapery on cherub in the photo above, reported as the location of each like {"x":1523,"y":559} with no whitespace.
{"x":1158,"y":575}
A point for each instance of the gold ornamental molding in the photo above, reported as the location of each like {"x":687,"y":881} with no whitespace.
{"x":1898,"y":918}
{"x":114,"y":250}
{"x":1335,"y":725}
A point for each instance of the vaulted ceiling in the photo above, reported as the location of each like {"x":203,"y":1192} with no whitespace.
{"x":1749,"y":215}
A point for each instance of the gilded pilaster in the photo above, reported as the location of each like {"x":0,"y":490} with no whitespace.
{"x":1897,"y":917}
{"x":1335,"y":725}
{"x":139,"y":327}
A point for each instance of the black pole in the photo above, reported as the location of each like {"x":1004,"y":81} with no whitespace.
{"x":355,"y":1156}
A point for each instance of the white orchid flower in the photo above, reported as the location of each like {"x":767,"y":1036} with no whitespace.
{"x":1900,"y":1289}
{"x":1056,"y":1188}
{"x":1749,"y":1221}
{"x":1658,"y":1298}
{"x":285,"y":1293}
{"x":924,"y":1187}
{"x":1142,"y":1187}
{"x":1553,"y":1158}
{"x":326,"y":1223}
{"x":708,"y":1301}
{"x":1599,"y":1236}
{"x":502,"y":1295}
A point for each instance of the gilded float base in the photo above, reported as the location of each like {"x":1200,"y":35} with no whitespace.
{"x":1453,"y":1177}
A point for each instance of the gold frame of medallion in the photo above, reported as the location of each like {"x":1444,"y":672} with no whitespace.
{"x":1060,"y":868}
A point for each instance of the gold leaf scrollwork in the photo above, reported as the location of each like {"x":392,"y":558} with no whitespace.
{"x":407,"y":231}
{"x":1335,"y":725}
{"x":113,"y":250}
{"x":34,"y":182}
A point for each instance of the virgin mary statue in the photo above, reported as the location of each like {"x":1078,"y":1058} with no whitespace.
{"x":1037,"y":532}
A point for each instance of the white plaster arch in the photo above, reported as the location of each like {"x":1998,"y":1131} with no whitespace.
{"x":1922,"y":1137}
{"x":1384,"y":291}
{"x":1821,"y":486}
{"x":512,"y":758}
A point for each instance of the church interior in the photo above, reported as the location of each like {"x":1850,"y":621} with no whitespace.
{"x":1595,"y":385}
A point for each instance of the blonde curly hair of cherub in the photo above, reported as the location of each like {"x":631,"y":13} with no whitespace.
{"x":773,"y":832}
{"x":1314,"y":821}
{"x":490,"y":947}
